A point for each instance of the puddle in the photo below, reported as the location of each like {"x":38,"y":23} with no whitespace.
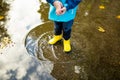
{"x":20,"y":65}
{"x":36,"y":43}
{"x":95,"y":52}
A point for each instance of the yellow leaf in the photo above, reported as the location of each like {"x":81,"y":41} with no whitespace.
{"x":102,"y":7}
{"x":4,"y":42}
{"x":1,"y":17}
{"x":101,"y":29}
{"x":2,"y":46}
{"x":118,"y":16}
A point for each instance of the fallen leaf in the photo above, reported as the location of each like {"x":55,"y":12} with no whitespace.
{"x":101,"y":29}
{"x":2,"y":46}
{"x":4,"y":42}
{"x":118,"y":16}
{"x":1,"y":17}
{"x":102,"y":7}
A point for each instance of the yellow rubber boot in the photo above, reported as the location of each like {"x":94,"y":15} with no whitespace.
{"x":55,"y":39}
{"x":67,"y":45}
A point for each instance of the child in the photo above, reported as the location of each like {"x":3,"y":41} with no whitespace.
{"x":62,"y":12}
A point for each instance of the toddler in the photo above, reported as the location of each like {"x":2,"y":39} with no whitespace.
{"x":62,"y":12}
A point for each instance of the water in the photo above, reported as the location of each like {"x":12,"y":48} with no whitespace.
{"x":15,"y":62}
{"x":37,"y":45}
{"x":94,"y":56}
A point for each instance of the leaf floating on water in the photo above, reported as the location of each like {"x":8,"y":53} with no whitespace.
{"x":2,"y":46}
{"x":101,"y":7}
{"x":1,"y":17}
{"x":4,"y":42}
{"x":118,"y":17}
{"x":101,"y":29}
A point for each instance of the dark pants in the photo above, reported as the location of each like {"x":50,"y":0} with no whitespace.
{"x":64,"y":27}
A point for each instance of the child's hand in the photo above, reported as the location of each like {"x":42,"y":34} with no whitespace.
{"x":63,"y":10}
{"x":57,"y":4}
{"x":59,"y":11}
{"x":59,"y":8}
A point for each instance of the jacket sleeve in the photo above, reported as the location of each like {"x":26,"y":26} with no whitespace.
{"x":51,"y":1}
{"x":70,"y":4}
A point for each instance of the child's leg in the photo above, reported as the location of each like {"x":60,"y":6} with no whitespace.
{"x":66,"y":35}
{"x":67,"y":26}
{"x":57,"y":33}
{"x":58,"y":28}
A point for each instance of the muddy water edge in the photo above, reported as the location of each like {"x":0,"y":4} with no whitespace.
{"x":4,"y":8}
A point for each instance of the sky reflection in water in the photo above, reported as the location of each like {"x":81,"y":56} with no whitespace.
{"x":15,"y":63}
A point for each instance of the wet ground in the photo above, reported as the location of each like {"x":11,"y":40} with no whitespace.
{"x":95,"y":43}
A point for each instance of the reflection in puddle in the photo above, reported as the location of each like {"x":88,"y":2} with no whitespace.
{"x":15,"y":63}
{"x":37,"y":45}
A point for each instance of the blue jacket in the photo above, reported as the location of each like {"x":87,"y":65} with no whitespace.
{"x":71,"y":6}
